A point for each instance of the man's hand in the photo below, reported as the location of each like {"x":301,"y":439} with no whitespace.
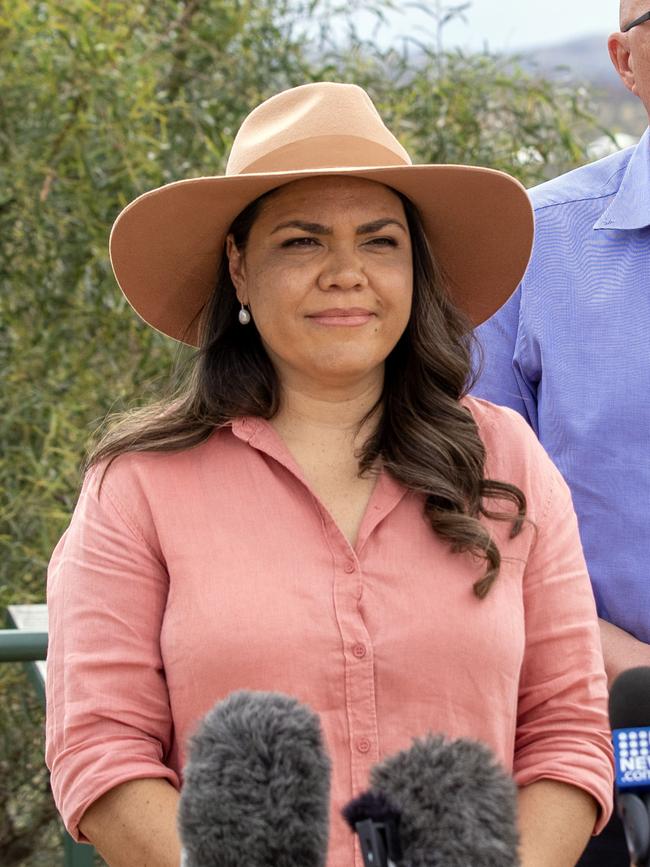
{"x":621,"y":650}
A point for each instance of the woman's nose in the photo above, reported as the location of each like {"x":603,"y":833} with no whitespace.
{"x":343,"y":269}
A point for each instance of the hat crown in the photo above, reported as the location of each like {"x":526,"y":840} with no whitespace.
{"x":322,"y":125}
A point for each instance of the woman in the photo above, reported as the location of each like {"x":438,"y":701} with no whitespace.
{"x":323,"y":512}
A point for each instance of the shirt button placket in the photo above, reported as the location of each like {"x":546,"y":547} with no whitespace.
{"x":362,"y":711}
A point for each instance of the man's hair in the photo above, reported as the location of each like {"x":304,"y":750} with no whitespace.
{"x":425,"y":438}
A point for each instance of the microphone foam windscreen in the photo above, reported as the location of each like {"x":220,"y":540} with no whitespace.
{"x":456,"y":802}
{"x":629,"y":699}
{"x":256,"y":787}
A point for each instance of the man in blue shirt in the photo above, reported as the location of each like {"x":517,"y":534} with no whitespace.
{"x":570,"y":351}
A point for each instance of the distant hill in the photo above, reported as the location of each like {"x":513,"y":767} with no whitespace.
{"x":586,"y":61}
{"x":585,"y":58}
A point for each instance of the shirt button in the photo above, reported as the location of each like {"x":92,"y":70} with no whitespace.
{"x":363,"y":745}
{"x":359,"y":651}
{"x":349,"y":567}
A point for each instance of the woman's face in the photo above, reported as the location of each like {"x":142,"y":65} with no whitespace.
{"x":327,"y":273}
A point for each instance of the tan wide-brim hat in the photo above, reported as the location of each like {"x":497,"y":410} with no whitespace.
{"x":166,"y":245}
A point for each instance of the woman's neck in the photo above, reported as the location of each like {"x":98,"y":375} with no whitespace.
{"x":333,"y":415}
{"x":324,"y":430}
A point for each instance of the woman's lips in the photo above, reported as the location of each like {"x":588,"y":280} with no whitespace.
{"x":348,"y":318}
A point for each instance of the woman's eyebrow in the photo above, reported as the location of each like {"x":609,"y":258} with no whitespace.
{"x":378,"y":225}
{"x":312,"y":228}
{"x":320,"y":229}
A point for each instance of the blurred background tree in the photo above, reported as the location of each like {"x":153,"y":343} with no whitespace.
{"x":100,"y":101}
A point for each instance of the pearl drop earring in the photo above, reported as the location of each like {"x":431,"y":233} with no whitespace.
{"x":244,"y":316}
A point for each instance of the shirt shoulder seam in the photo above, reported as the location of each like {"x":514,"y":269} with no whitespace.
{"x":575,"y":201}
{"x":590,"y":198}
{"x":548,"y":500}
{"x":125,"y":515}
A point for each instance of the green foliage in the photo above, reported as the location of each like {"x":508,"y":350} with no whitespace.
{"x":100,"y":101}
{"x":27,"y":813}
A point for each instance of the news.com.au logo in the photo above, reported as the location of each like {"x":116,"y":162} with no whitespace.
{"x":632,"y":751}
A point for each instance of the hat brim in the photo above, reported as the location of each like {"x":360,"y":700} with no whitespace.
{"x":165,"y":246}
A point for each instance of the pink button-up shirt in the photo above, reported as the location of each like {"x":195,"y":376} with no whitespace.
{"x":192,"y":574}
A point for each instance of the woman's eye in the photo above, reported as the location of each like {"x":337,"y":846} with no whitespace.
{"x":383,"y":242}
{"x":299,"y":242}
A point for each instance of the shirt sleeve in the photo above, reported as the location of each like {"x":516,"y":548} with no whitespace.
{"x":562,"y":724}
{"x":504,"y":377}
{"x":108,"y":715}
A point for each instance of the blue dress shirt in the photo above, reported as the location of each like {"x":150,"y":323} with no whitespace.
{"x":570,"y":351}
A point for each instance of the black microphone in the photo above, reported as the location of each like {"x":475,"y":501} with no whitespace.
{"x":438,"y":804}
{"x":629,"y":717}
{"x":256,"y":787}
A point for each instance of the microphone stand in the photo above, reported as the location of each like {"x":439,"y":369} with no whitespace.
{"x":378,"y":847}
{"x":634,"y":811}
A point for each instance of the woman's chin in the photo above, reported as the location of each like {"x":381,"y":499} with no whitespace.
{"x":342,"y":369}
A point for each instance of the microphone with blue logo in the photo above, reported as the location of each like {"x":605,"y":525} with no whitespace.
{"x":629,"y":717}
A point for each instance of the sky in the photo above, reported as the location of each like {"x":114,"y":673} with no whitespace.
{"x":514,"y":24}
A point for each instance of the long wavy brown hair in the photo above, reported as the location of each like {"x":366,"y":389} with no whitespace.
{"x":424,"y":437}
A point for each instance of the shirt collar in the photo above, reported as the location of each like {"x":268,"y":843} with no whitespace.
{"x":630,"y":208}
{"x":261,"y":435}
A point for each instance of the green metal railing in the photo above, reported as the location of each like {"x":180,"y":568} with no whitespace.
{"x":20,"y":645}
{"x":30,"y":647}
